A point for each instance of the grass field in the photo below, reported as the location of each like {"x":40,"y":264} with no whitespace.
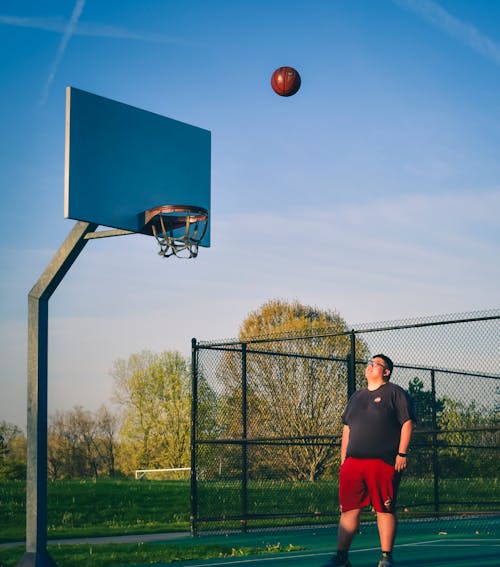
{"x":118,"y":507}
{"x":86,"y":508}
{"x":136,"y":554}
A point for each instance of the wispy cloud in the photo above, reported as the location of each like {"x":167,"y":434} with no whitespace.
{"x":48,"y":24}
{"x":89,"y":29}
{"x":68,"y":32}
{"x":454,"y":27}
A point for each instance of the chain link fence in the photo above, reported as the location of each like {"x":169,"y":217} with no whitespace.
{"x":266,"y":422}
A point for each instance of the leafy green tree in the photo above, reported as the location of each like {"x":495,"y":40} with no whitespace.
{"x":208,"y":426}
{"x":424,"y":404}
{"x":154,"y":393}
{"x":12,"y":452}
{"x":469,"y":440}
{"x":464,"y":439}
{"x":424,"y":455}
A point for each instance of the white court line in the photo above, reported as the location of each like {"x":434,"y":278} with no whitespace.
{"x":258,"y":559}
{"x":460,"y":542}
{"x":281,"y":557}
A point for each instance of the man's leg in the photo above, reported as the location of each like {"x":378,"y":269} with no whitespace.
{"x":348,"y":527}
{"x":383,"y":486}
{"x":387,"y":523}
{"x":352,"y":496}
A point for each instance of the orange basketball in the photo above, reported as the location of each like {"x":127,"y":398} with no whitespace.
{"x":285,"y":81}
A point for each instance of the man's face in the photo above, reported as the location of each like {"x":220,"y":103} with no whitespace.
{"x":377,"y":370}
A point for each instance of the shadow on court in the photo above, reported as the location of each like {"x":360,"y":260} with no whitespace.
{"x":438,"y":548}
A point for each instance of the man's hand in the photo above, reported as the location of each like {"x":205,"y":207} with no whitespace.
{"x":400,"y":463}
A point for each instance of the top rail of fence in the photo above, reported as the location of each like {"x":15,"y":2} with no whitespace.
{"x":441,"y":320}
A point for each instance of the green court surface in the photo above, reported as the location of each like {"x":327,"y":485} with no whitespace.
{"x":417,"y":544}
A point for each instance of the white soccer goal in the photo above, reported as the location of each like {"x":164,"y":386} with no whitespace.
{"x":181,"y":473}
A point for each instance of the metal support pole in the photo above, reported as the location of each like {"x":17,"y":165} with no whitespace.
{"x":244,"y":448}
{"x":36,"y":484}
{"x":194,"y":419}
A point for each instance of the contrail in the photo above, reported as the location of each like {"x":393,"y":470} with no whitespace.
{"x":89,"y":29}
{"x":68,"y":32}
{"x":462,"y":31}
{"x":113,"y":32}
{"x":47,"y":24}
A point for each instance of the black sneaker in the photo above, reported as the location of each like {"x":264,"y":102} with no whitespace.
{"x":386,"y":562}
{"x":334,"y":563}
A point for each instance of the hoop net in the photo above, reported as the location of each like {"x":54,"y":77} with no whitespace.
{"x":178,"y":229}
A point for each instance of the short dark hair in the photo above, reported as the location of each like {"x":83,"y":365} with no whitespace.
{"x":388,"y":362}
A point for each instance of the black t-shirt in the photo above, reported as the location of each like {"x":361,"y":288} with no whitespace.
{"x":375,"y":419}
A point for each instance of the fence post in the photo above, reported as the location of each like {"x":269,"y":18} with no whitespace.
{"x":435,"y":455}
{"x":244,"y":464}
{"x":351,"y":367}
{"x":194,"y":419}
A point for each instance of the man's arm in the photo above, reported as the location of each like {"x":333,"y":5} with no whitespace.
{"x":404,"y":443}
{"x":343,"y":445}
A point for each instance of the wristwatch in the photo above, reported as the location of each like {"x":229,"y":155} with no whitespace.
{"x":402,"y":455}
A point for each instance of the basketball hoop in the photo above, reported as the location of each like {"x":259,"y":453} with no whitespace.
{"x":178,"y":229}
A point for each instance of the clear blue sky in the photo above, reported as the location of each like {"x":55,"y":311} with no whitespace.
{"x":374,"y":191}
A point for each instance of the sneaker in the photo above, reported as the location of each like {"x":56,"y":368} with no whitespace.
{"x":386,"y":562}
{"x":333,"y":563}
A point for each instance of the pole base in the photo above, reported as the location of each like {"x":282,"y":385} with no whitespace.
{"x":40,"y":559}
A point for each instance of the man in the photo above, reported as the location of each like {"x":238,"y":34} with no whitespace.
{"x":378,"y":423}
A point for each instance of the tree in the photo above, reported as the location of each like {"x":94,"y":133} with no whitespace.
{"x":424,"y":404}
{"x":470,"y":441}
{"x":12,"y":452}
{"x":81,"y":444}
{"x":425,"y":446}
{"x":154,"y":392}
{"x":461,"y":433}
{"x":107,"y":442}
{"x":298,"y":392}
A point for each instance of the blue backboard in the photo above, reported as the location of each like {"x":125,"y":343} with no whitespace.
{"x":121,"y":161}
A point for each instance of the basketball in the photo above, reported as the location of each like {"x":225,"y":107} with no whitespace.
{"x":285,"y":81}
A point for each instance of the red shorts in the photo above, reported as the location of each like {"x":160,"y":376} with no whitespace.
{"x":368,"y":481}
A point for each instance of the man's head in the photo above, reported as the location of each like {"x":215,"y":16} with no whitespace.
{"x":380,"y":365}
